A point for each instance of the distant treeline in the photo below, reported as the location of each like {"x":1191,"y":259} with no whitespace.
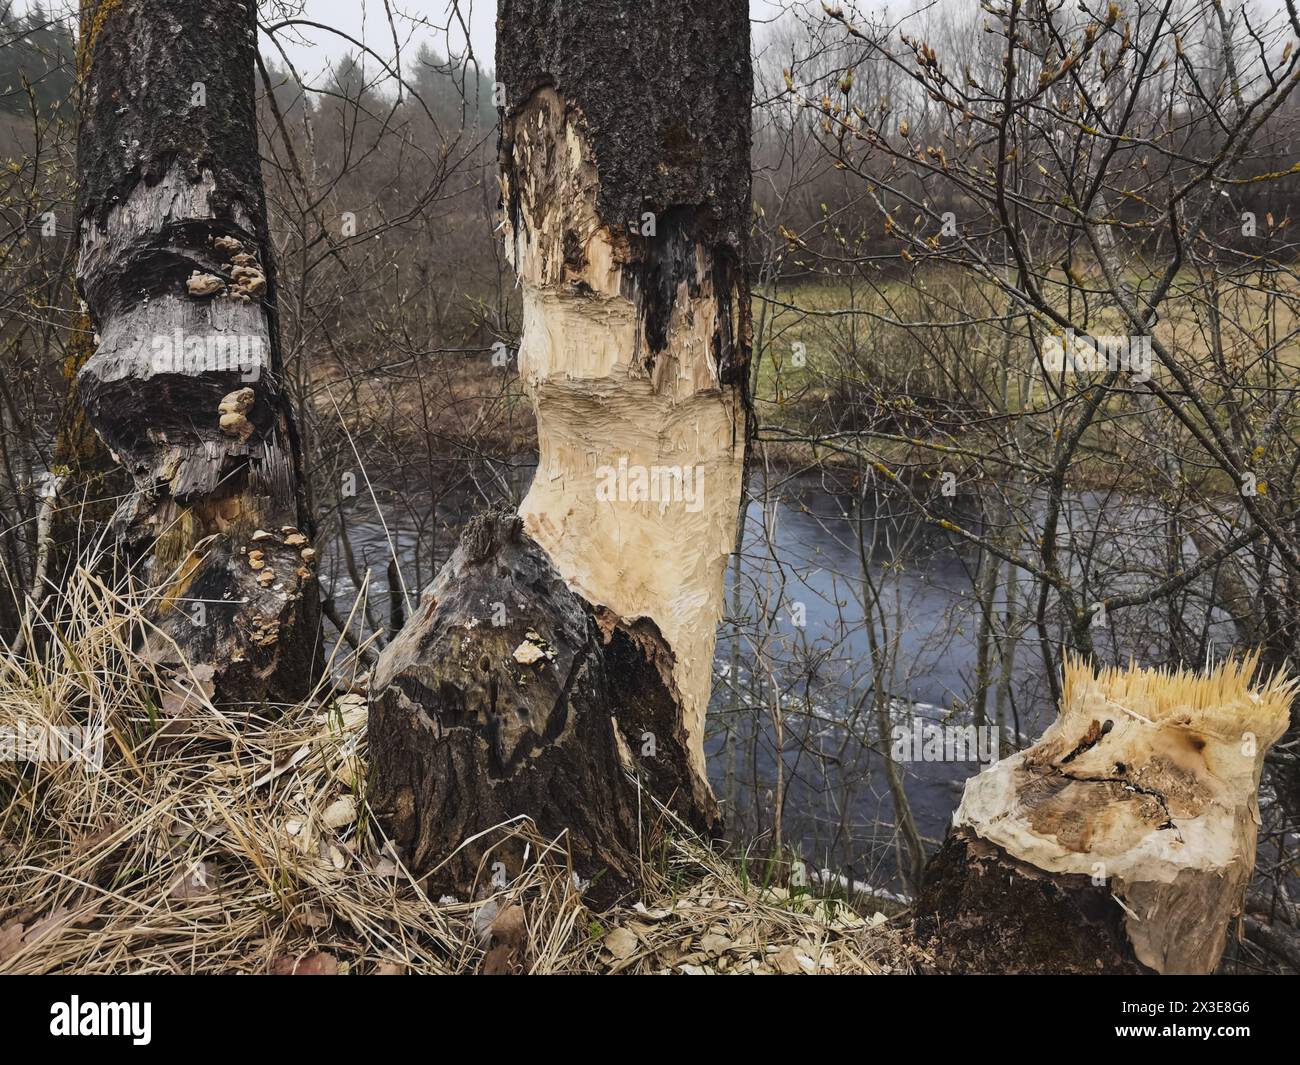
{"x":36,"y":61}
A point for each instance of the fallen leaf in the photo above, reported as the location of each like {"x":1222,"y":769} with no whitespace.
{"x":484,"y":917}
{"x":508,"y":933}
{"x":319,"y":963}
{"x":714,"y":943}
{"x":11,"y":939}
{"x":56,"y":921}
{"x":342,"y":811}
{"x":621,"y":943}
{"x":194,"y":883}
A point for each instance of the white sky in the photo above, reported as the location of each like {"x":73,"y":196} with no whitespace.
{"x":442,"y":23}
{"x":448,"y":25}
{"x":451,"y":26}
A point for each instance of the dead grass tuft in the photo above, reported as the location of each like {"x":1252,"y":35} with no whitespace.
{"x":216,"y":843}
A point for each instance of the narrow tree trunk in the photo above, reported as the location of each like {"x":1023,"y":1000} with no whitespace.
{"x":1122,"y":841}
{"x":625,"y":180}
{"x":185,"y":385}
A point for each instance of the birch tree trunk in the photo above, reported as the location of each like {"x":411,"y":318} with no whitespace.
{"x":184,"y":385}
{"x":625,"y":180}
{"x":1122,"y":841}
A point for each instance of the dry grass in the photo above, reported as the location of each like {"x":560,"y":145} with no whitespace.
{"x":219,"y":843}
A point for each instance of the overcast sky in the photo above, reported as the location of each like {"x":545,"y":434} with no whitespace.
{"x":454,"y":26}
{"x":448,"y":25}
{"x":441,"y":23}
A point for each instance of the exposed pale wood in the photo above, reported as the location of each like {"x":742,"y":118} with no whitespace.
{"x":1123,"y":840}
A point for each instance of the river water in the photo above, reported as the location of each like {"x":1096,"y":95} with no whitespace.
{"x":799,"y":656}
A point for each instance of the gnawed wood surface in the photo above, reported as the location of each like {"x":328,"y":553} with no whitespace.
{"x":625,"y":181}
{"x":184,"y":385}
{"x":1122,"y":841}
{"x":625,"y":176}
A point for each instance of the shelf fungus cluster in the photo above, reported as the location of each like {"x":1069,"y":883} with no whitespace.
{"x":1122,"y":841}
{"x":242,"y":280}
{"x":184,"y":384}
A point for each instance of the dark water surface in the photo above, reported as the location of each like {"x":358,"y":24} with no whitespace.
{"x":795,"y":645}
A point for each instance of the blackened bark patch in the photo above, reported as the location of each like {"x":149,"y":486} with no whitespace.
{"x":646,"y":706}
{"x":666,"y":261}
{"x":732,"y":339}
{"x":181,"y":406}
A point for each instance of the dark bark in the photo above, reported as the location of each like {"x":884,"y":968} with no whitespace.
{"x":185,"y":385}
{"x":981,"y":911}
{"x":505,"y":695}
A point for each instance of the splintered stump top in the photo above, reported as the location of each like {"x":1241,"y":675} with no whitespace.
{"x":1122,"y":841}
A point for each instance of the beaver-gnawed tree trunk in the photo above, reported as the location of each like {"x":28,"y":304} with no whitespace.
{"x":625,"y":182}
{"x":184,"y":385}
{"x":1122,"y":841}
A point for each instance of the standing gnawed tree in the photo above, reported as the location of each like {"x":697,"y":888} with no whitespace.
{"x":185,"y":383}
{"x":556,"y":655}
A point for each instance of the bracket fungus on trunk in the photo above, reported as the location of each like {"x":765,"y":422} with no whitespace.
{"x":625,"y":178}
{"x":1123,"y":840}
{"x":185,"y":385}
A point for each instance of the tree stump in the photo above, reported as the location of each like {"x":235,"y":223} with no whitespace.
{"x":507,"y":694}
{"x":1122,"y":841}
